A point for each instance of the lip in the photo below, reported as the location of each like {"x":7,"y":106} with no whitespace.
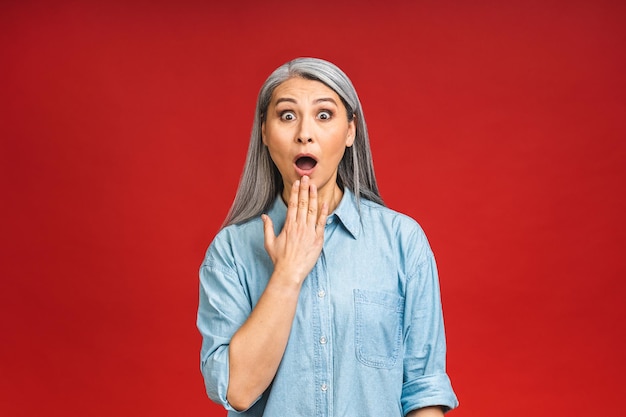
{"x":301,"y":172}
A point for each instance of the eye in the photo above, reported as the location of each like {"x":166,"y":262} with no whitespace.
{"x":287,"y":116}
{"x":325,"y":115}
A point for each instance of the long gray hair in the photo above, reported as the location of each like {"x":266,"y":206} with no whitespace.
{"x":261,"y":181}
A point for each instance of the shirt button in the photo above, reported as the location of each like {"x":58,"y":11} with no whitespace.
{"x":321,"y":293}
{"x":324,"y":387}
{"x":329,"y":220}
{"x":323,"y":340}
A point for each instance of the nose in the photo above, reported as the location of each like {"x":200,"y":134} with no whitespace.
{"x":305,"y":131}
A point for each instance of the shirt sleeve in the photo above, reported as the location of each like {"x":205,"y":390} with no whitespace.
{"x":223,"y":308}
{"x":425,"y":380}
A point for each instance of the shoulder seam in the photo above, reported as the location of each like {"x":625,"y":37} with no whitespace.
{"x":214,"y":266}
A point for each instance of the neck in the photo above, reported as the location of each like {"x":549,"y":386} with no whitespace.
{"x":332,"y":197}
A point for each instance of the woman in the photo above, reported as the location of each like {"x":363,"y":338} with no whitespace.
{"x":315,"y":299}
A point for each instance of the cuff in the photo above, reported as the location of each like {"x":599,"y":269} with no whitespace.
{"x":427,"y":391}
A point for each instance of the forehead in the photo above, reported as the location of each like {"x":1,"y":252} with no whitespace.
{"x":302,"y":89}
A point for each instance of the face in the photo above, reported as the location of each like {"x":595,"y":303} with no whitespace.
{"x":306,"y":131}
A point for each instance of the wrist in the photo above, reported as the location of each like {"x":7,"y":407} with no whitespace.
{"x":285,"y":281}
{"x":288,"y":275}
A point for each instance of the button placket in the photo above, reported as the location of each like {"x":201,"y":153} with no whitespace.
{"x":324,"y":348}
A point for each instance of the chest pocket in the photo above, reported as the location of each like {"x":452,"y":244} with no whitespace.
{"x":378,"y":327}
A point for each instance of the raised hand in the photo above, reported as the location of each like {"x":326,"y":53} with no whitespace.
{"x":296,"y":249}
{"x":257,"y":348}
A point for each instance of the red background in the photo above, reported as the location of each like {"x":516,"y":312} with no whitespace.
{"x":499,"y":126}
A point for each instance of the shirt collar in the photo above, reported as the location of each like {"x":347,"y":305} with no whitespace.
{"x":347,"y":212}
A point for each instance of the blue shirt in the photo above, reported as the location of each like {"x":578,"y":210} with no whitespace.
{"x":368,"y":335}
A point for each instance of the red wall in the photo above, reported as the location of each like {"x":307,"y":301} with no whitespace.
{"x":123,"y":128}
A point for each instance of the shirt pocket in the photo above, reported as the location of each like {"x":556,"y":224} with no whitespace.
{"x":378,"y":327}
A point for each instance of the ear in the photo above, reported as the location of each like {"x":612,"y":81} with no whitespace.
{"x":351,"y":132}
{"x":263,"y":133}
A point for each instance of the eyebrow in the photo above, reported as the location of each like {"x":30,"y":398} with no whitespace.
{"x":317,"y":101}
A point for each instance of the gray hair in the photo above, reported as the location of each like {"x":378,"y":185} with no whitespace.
{"x":261,"y":181}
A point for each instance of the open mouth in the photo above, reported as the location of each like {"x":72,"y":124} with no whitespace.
{"x":306,"y":163}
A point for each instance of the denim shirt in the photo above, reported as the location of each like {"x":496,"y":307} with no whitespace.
{"x":367,"y":338}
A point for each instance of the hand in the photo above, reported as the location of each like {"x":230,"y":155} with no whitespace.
{"x":296,"y":249}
